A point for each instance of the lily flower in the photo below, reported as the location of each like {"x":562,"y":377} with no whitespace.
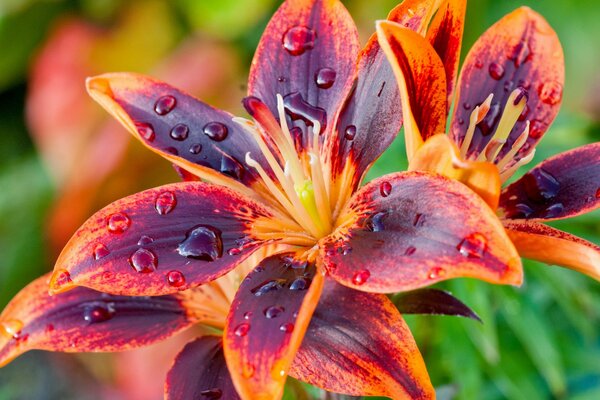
{"x":509,"y":91}
{"x":280,"y":197}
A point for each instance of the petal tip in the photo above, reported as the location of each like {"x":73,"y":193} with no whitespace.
{"x":60,"y":282}
{"x":98,"y":85}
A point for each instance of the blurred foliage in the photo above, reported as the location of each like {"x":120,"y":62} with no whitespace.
{"x":538,"y":341}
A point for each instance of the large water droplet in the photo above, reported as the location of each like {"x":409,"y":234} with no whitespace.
{"x":242,"y":329}
{"x":12,"y":327}
{"x":165,"y":105}
{"x":98,"y":312}
{"x":350,"y":132}
{"x":232,"y":167}
{"x":212,"y":394}
{"x":553,"y":210}
{"x":361,"y":277}
{"x":298,"y":108}
{"x":288,"y":327}
{"x":165,"y":202}
{"x":268,"y":286}
{"x":180,"y":132}
{"x":473,"y":246}
{"x":300,"y":283}
{"x":273,"y":311}
{"x":145,"y":130}
{"x":61,"y":277}
{"x":496,"y":71}
{"x":100,"y":251}
{"x":216,"y":131}
{"x":202,"y":243}
{"x":375,"y":222}
{"x":325,"y":78}
{"x":540,"y":185}
{"x":175,"y":279}
{"x":550,"y":92}
{"x":143,"y":261}
{"x":299,"y":39}
{"x":520,"y":210}
{"x":118,"y":222}
{"x":385,"y":189}
{"x":521,"y":53}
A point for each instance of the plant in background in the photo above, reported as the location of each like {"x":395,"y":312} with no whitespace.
{"x":510,"y":90}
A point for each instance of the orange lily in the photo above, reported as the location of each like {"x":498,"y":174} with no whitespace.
{"x":280,"y":199}
{"x":509,"y":91}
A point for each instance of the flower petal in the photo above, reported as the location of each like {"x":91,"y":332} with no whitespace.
{"x":358,"y":344}
{"x":409,"y":230}
{"x":191,"y":134}
{"x":161,"y":240}
{"x":86,"y":320}
{"x":440,"y":155}
{"x":520,"y":50}
{"x":562,"y":186}
{"x":200,"y":372}
{"x":266,"y":324}
{"x":307,"y":54}
{"x":421,"y":79}
{"x":552,"y":246}
{"x":445,"y":35}
{"x":432,"y":301}
{"x":371,"y":116}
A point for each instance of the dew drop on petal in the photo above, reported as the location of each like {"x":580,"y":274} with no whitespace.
{"x":118,"y":222}
{"x":268,"y":286}
{"x":165,"y":105}
{"x":165,"y":202}
{"x":419,"y":220}
{"x":143,"y":261}
{"x":196,"y":148}
{"x":385,"y":189}
{"x":145,"y":240}
{"x":61,"y":277}
{"x":216,"y":131}
{"x":248,"y":370}
{"x":179,"y":132}
{"x":288,"y":327}
{"x":12,"y":327}
{"x":248,"y":315}
{"x":300,"y":283}
{"x":234,"y":251}
{"x":521,"y":53}
{"x":436,"y":273}
{"x":100,"y":251}
{"x":496,"y":71}
{"x":175,"y":278}
{"x":202,"y":243}
{"x":242,"y":329}
{"x":375,"y":222}
{"x":273,"y":311}
{"x":145,"y":130}
{"x":553,"y":210}
{"x":98,"y":312}
{"x":473,"y":246}
{"x":540,"y":185}
{"x":325,"y":78}
{"x":298,"y":40}
{"x":598,"y":193}
{"x":212,"y":394}
{"x":410,"y":250}
{"x":350,"y":132}
{"x":550,"y":92}
{"x":361,"y":277}
{"x":232,"y":167}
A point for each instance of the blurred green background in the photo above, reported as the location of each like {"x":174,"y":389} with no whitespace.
{"x":540,"y":341}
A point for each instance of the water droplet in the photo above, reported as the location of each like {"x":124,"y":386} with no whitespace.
{"x":165,"y":105}
{"x":248,"y":370}
{"x":598,"y":193}
{"x":537,"y":129}
{"x":100,"y":251}
{"x":520,"y":210}
{"x":385,"y":189}
{"x":234,"y":251}
{"x":268,"y":286}
{"x":196,"y":148}
{"x":325,"y":78}
{"x":288,"y":327}
{"x":216,"y":131}
{"x":553,"y":210}
{"x":550,"y":92}
{"x":508,"y":85}
{"x":202,"y":243}
{"x":61,"y":277}
{"x":248,"y":315}
{"x":118,"y":222}
{"x":165,"y":202}
{"x":435,"y":273}
{"x":521,"y":53}
{"x":145,"y":130}
{"x":478,"y":64}
{"x":350,"y":132}
{"x":299,"y":39}
{"x":49,"y":328}
{"x":212,"y":394}
{"x":301,"y":283}
{"x":242,"y":329}
{"x":419,"y":220}
{"x":540,"y":185}
{"x":12,"y":327}
{"x":180,"y":132}
{"x":410,"y":250}
{"x":172,"y":150}
{"x":375,"y":222}
{"x":524,"y":113}
{"x":298,"y":108}
{"x":175,"y":278}
{"x":273,"y":311}
{"x":496,"y":71}
{"x":361,"y":277}
{"x":98,"y":312}
{"x":145,"y":240}
{"x":232,"y":167}
{"x":143,"y":261}
{"x":473,"y":246}
{"x":467,"y":106}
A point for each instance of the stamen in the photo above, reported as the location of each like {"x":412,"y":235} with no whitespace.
{"x":477,"y":116}
{"x":516,"y":146}
{"x":510,"y":171}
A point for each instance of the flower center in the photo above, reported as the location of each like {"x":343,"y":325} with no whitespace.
{"x":506,"y":163}
{"x":297,"y":182}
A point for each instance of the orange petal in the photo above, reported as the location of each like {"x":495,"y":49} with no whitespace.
{"x":85,"y":320}
{"x":414,"y":14}
{"x":520,"y":50}
{"x":409,"y":230}
{"x":267,"y":322}
{"x":421,"y":79}
{"x":161,"y":241}
{"x":440,"y":155}
{"x":358,"y":344}
{"x":196,"y":137}
{"x":552,"y":246}
{"x":445,"y":35}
